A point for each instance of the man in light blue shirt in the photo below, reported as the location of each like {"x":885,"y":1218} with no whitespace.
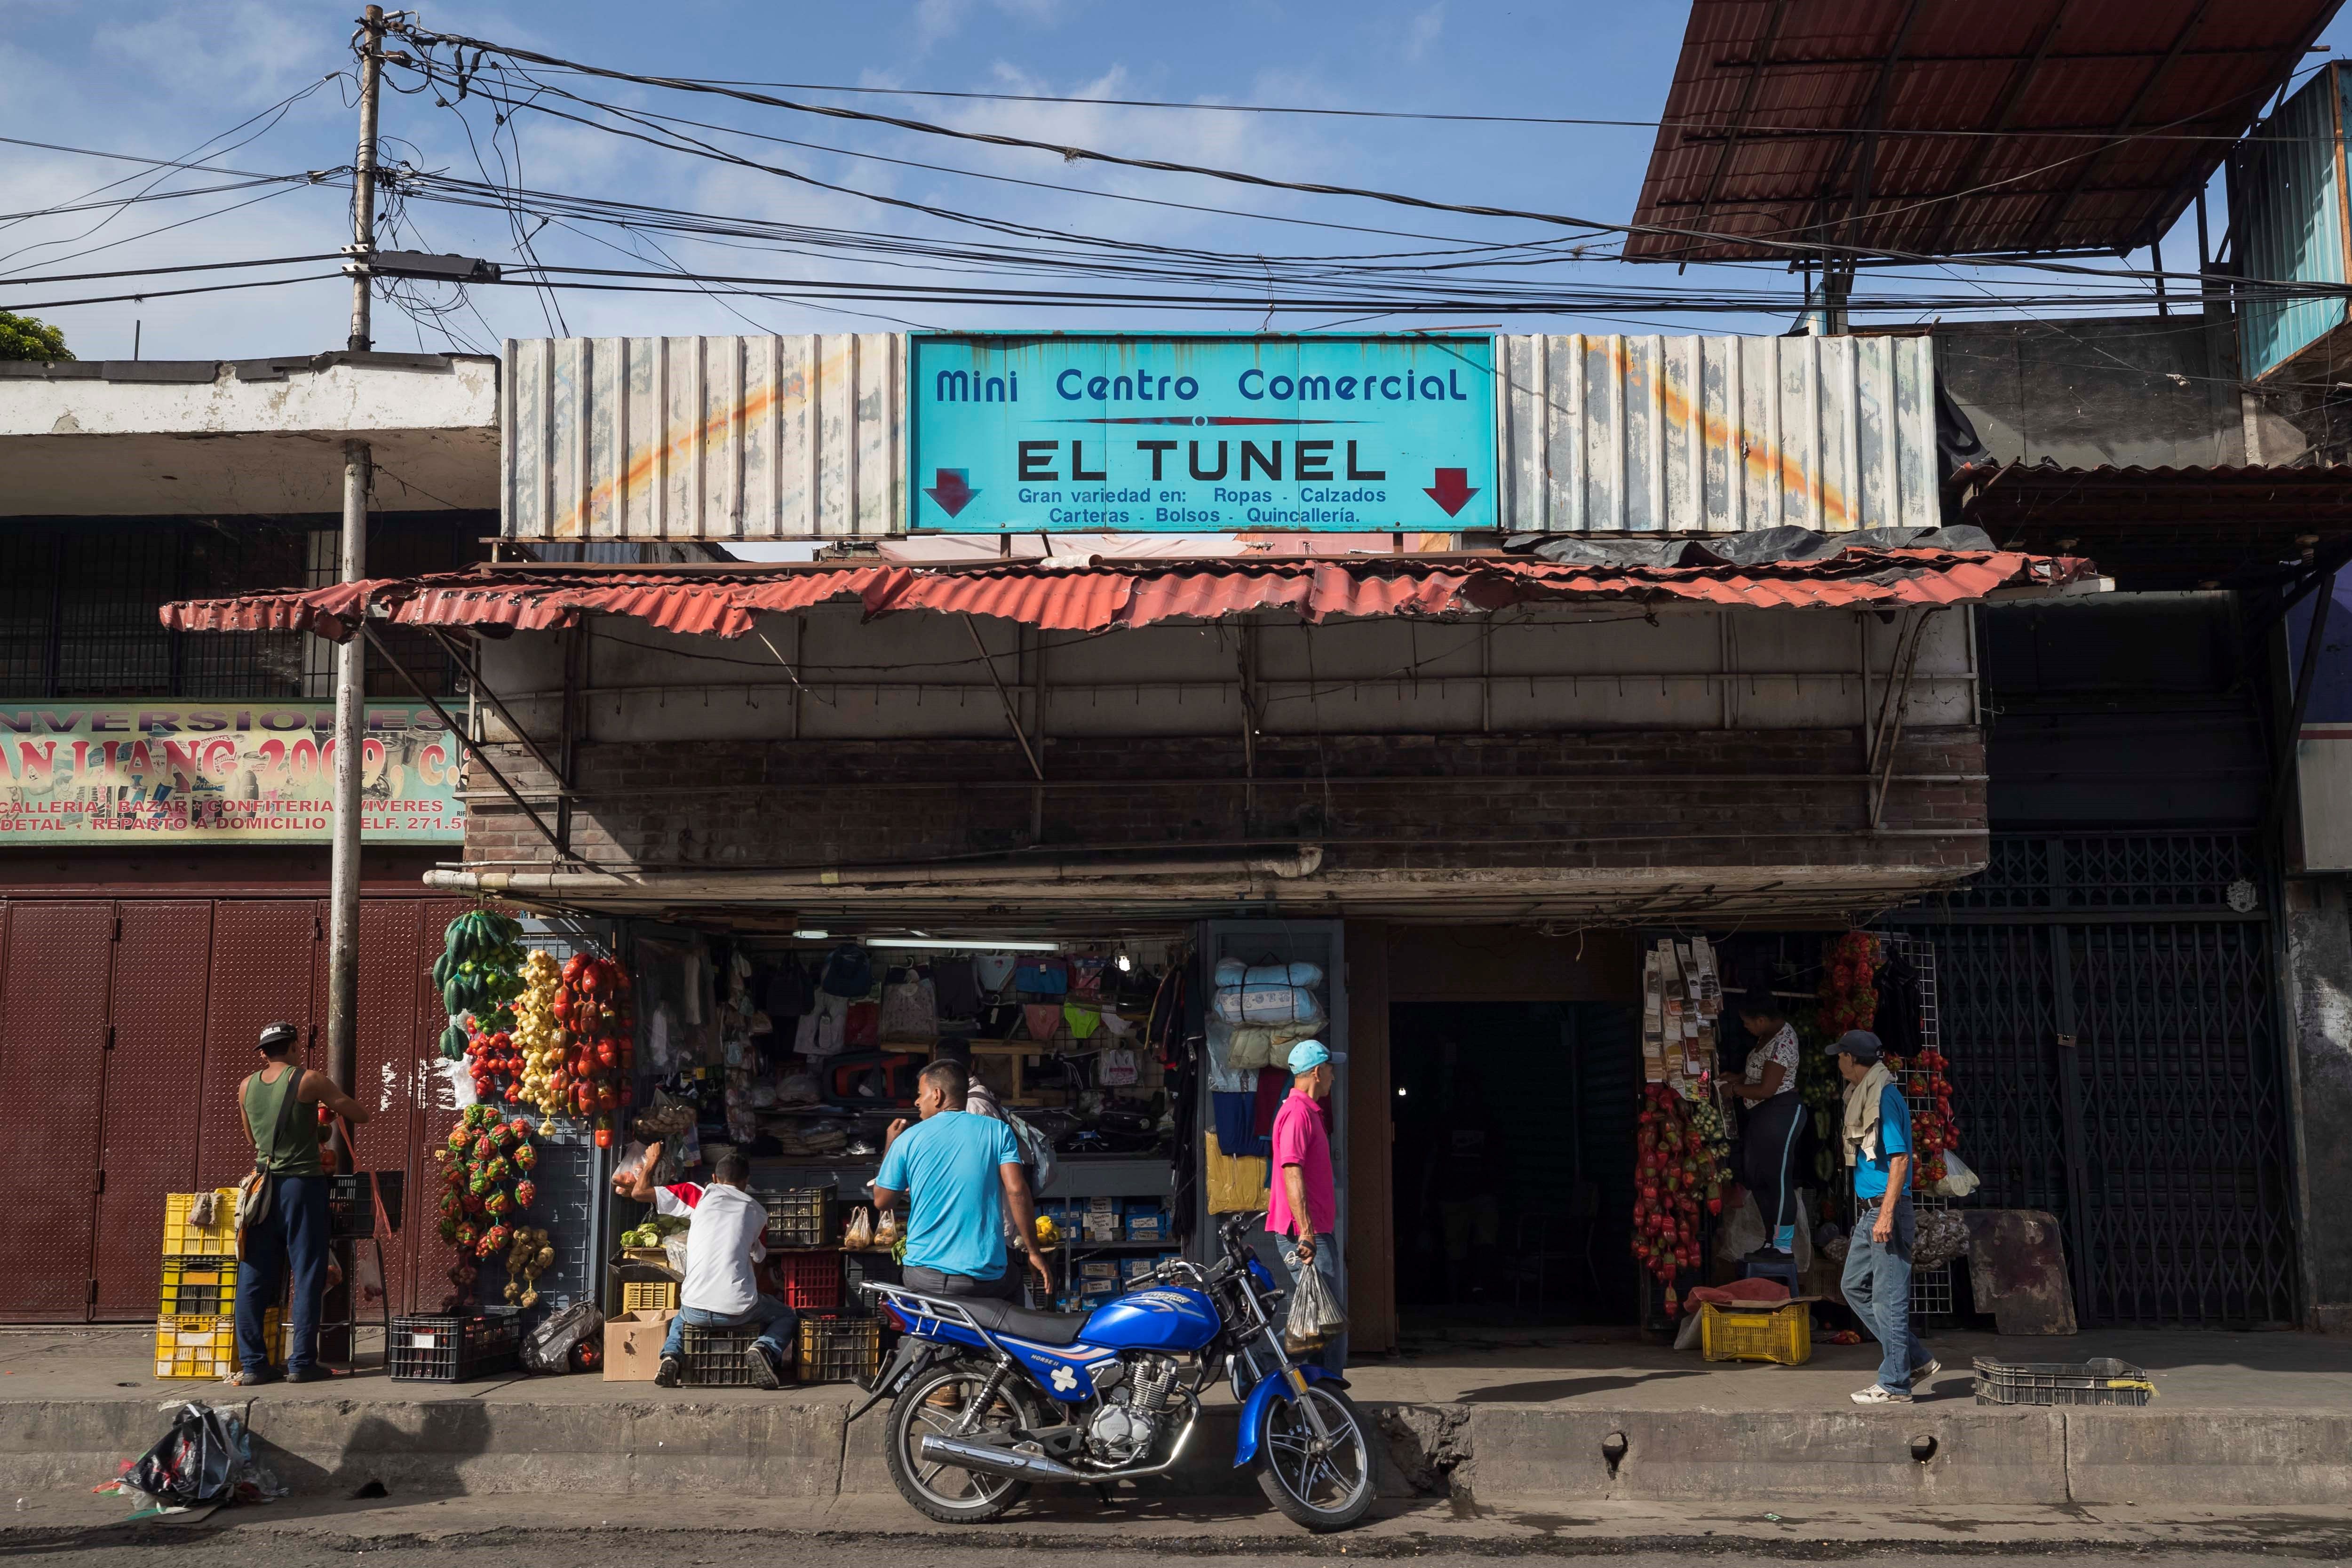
{"x":1877,"y":1281}
{"x":950,"y":1169}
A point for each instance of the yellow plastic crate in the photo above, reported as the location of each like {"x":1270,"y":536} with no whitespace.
{"x":182,"y":1239}
{"x":197,"y":1286}
{"x":649,"y":1295}
{"x":204,"y":1344}
{"x":1781,"y":1334}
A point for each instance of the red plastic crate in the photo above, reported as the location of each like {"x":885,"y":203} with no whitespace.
{"x":811,"y":1280}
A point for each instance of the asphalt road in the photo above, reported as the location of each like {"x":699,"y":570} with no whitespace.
{"x":198,"y":1547}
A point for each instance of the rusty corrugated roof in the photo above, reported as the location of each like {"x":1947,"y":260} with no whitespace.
{"x":726,"y":602}
{"x":1911,"y":128}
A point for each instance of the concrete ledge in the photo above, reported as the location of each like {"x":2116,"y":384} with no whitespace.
{"x":2224,"y":1457}
{"x":797,"y":1448}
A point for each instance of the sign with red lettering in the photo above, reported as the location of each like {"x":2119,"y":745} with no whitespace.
{"x":220,"y":772}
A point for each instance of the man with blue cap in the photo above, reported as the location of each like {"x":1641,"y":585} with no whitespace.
{"x":1304,"y":1205}
{"x":1877,"y":1281}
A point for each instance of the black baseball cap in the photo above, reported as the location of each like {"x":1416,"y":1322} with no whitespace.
{"x":279,"y":1035}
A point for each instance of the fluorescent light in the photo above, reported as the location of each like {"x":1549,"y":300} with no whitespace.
{"x":811,"y":935}
{"x":983,"y":943}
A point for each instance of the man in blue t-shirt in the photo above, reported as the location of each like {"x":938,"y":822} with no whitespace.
{"x":950,"y":1170}
{"x":1877,"y":1281}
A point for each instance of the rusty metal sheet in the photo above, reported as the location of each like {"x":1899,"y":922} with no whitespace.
{"x":2017,"y":1271}
{"x":154,"y":1083}
{"x":1767,"y":131}
{"x":1715,"y":434}
{"x":1127,"y":593}
{"x":706,"y":437}
{"x":53,"y":1058}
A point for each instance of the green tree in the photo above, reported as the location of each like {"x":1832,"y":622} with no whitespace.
{"x":26,"y":337}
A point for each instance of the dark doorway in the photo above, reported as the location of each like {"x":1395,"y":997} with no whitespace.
{"x":1514,"y":1158}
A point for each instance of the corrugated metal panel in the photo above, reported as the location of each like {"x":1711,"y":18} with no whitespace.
{"x":1765,"y":132}
{"x":1717,"y":435}
{"x":1098,"y":598}
{"x":704,"y":438}
{"x":2289,"y":186}
{"x":53,"y":1058}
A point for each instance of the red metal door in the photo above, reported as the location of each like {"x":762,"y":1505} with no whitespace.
{"x":154,"y":1079}
{"x":387,"y":1072}
{"x":436,"y":1113}
{"x":264,"y":958}
{"x":53,"y":993}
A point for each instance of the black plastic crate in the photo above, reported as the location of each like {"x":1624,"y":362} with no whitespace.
{"x":445,"y":1348}
{"x":2102,"y":1380}
{"x":803,"y":1216}
{"x":198,"y":1286}
{"x":863,"y":1268}
{"x":840,"y":1350}
{"x":719,"y":1358}
{"x":351,"y":1216}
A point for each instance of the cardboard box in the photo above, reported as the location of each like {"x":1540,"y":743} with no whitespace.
{"x":633,"y":1343}
{"x":1098,"y":1269}
{"x":1147,"y":1227}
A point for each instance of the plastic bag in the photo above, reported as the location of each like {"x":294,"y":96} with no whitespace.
{"x":1315,"y":1314}
{"x":547,"y":1348}
{"x":860,"y":1232}
{"x":1959,"y":1180}
{"x":1118,"y":1069}
{"x":1268,"y":1005}
{"x":205,"y":1458}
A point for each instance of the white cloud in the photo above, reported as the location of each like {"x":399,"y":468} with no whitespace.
{"x":938,"y":20}
{"x":1423,"y":31}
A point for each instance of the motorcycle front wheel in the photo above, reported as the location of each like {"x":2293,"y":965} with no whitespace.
{"x":945,"y":1402}
{"x":1323,"y":1483}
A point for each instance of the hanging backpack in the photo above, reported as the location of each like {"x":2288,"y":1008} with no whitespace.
{"x":848,"y":971}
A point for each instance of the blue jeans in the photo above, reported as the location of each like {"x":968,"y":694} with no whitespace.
{"x":293,"y":1234}
{"x":778,"y":1327}
{"x":1334,"y":1354}
{"x":1877,"y":1286}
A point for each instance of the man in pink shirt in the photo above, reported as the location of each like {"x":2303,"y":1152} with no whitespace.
{"x":1303,"y":1208}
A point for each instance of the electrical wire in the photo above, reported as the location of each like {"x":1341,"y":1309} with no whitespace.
{"x":167,"y":293}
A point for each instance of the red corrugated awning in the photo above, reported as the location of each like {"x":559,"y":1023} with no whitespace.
{"x":726,"y":601}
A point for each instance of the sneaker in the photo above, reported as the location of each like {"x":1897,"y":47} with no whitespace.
{"x":766,"y":1372}
{"x":667,"y":1374}
{"x":1920,"y":1374}
{"x":1879,"y":1393}
{"x":311,"y":1373}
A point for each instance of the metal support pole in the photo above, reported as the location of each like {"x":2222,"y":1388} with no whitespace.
{"x":350,"y":659}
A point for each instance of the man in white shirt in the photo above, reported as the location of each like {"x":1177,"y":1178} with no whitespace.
{"x":723,"y":1246}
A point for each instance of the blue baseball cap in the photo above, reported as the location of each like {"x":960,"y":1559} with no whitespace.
{"x":1308,"y":1055}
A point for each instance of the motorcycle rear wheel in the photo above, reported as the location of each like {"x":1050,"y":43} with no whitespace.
{"x":1324,"y":1489}
{"x":941,"y":1402}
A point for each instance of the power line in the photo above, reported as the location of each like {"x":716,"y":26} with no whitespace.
{"x":167,"y":293}
{"x":158,"y":271}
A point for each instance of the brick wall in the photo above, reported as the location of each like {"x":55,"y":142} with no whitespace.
{"x":1634,"y":799}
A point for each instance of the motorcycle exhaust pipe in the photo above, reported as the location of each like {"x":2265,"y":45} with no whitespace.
{"x":990,"y":1460}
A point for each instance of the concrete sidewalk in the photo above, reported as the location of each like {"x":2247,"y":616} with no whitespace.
{"x":1495,"y":1421}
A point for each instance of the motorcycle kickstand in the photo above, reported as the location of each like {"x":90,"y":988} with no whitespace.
{"x":1105,"y":1492}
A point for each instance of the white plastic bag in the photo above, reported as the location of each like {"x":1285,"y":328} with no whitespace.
{"x":1315,"y":1315}
{"x":860,"y":1231}
{"x":1959,"y":1180}
{"x":1118,"y":1069}
{"x":1268,"y":1005}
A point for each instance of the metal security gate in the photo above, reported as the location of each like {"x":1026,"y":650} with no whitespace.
{"x":2110,"y":1007}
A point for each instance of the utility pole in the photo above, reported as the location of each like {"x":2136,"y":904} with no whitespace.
{"x":350,"y":659}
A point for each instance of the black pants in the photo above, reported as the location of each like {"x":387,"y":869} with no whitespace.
{"x":1005,"y":1287}
{"x":1768,"y":1158}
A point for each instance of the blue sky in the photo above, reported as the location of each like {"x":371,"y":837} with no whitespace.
{"x":154,"y":79}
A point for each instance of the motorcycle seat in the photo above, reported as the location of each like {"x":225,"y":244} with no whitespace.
{"x":1040,"y":1328}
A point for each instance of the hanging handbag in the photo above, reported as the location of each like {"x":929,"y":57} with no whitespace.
{"x":1119,"y":1068}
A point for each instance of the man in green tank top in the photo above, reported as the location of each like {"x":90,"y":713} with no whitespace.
{"x":278,"y":1117}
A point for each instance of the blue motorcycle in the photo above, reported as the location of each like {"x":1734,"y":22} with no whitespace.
{"x":988,"y":1398}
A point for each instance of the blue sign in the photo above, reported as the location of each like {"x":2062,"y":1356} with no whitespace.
{"x":1164,"y":434}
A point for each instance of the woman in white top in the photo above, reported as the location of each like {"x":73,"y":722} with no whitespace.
{"x":1775,"y":1119}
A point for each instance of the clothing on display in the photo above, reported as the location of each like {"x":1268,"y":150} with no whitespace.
{"x":1083,"y":1021}
{"x":955,"y":988}
{"x":1235,"y":1184}
{"x":1273,"y":1084}
{"x":1086,"y":977}
{"x":1235,"y":1117}
{"x":910,"y":1011}
{"x":1042,"y":977}
{"x":993,"y":972}
{"x":848,"y":971}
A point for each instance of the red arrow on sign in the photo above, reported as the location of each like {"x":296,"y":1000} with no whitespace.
{"x":1452,"y":490}
{"x":954,"y":491}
